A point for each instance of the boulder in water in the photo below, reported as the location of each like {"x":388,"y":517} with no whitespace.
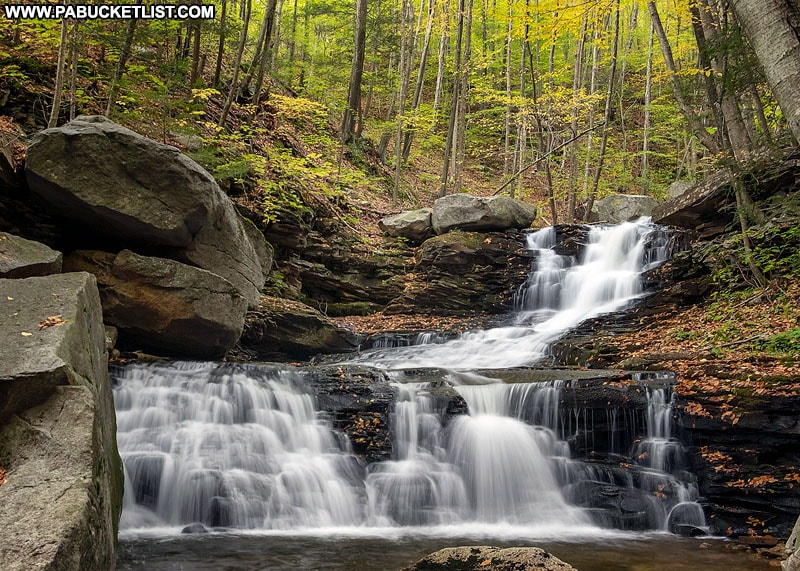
{"x":491,"y":558}
{"x":21,"y":258}
{"x":480,"y":214}
{"x":63,"y":494}
{"x":618,"y":208}
{"x":415,"y":225}
{"x":195,"y":528}
{"x":165,"y":304}
{"x":131,"y":189}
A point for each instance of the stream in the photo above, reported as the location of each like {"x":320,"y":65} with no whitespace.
{"x":246,"y":452}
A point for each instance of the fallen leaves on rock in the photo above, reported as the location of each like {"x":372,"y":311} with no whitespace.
{"x":51,"y":321}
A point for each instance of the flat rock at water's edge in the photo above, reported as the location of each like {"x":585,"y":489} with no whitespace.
{"x":492,"y":558}
{"x":63,"y":495}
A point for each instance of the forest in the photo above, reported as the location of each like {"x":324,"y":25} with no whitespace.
{"x":213,"y":202}
{"x":555,"y":102}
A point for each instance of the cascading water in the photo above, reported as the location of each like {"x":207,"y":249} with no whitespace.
{"x":247,"y":447}
{"x":204,"y":444}
{"x":560,"y":293}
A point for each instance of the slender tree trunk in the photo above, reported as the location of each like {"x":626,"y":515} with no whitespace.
{"x":293,"y":39}
{"x":451,"y":125}
{"x":587,"y":170}
{"x":276,"y":40}
{"x":261,"y":46}
{"x":606,"y":115}
{"x":522,"y":128}
{"x":195,"y":69}
{"x":423,"y":64}
{"x":353,"y":107}
{"x":124,"y":54}
{"x":404,"y":81}
{"x":59,"y":84}
{"x":648,"y":90}
{"x":73,"y":70}
{"x":443,"y":41}
{"x":577,"y":80}
{"x":695,"y":124}
{"x":223,"y":30}
{"x":265,"y":55}
{"x":758,"y":108}
{"x":509,"y":106}
{"x":234,"y":88}
{"x":461,"y":128}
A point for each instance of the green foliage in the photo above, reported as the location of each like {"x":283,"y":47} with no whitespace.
{"x":787,"y":342}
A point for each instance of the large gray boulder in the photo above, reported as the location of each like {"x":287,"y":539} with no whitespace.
{"x":678,"y":188}
{"x":282,"y":328}
{"x":63,"y":495}
{"x":21,"y":258}
{"x":483,"y":557}
{"x":415,"y":225}
{"x":618,"y":208}
{"x":164,"y":304}
{"x":480,"y":214}
{"x":142,"y":193}
{"x":699,"y":208}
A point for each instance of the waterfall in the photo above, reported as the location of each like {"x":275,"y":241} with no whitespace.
{"x":247,"y":447}
{"x":202,"y":444}
{"x":560,"y":293}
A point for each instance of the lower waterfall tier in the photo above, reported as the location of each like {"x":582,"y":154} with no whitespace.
{"x":267,"y":447}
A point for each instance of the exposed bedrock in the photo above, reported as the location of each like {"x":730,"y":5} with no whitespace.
{"x":62,"y":496}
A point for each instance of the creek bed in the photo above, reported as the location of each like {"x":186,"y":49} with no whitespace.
{"x":215,"y":552}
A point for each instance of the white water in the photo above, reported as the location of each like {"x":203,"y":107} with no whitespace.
{"x":246,"y":448}
{"x":560,"y":293}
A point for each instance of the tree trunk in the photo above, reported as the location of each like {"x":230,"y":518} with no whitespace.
{"x":648,"y":90}
{"x":451,"y":125}
{"x":237,"y":65}
{"x":443,"y":41}
{"x":606,"y":115}
{"x":509,"y":107}
{"x":265,"y":55}
{"x":577,"y":80}
{"x":353,"y":106}
{"x":461,"y":127}
{"x":406,"y":9}
{"x":73,"y":70}
{"x":773,"y":27}
{"x":223,"y":21}
{"x":62,"y":55}
{"x":124,"y":54}
{"x":195,"y":69}
{"x":695,"y":124}
{"x":423,"y":64}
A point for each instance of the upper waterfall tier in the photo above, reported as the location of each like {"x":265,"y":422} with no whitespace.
{"x":560,"y":293}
